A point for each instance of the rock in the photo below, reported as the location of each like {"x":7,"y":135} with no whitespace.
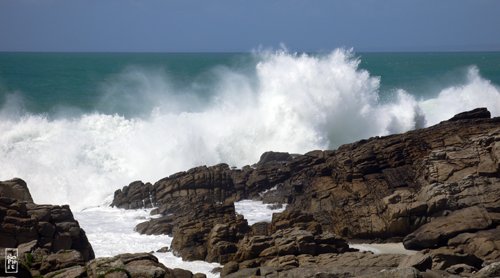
{"x":133,"y":265}
{"x":260,"y":229}
{"x":408,"y":272}
{"x":157,"y":226}
{"x":349,"y":264}
{"x":15,"y":189}
{"x":70,"y":272}
{"x":293,"y":234}
{"x":438,"y":231}
{"x":199,"y":236}
{"x":419,"y":261}
{"x":444,"y":257}
{"x":135,"y":195}
{"x":27,"y":247}
{"x":274,"y":157}
{"x":60,"y":260}
{"x":478,"y":113}
{"x":222,"y":240}
{"x":230,"y":267}
{"x":164,"y":250}
{"x":244,"y":273}
{"x":213,"y":184}
{"x":461,"y":269}
{"x":492,"y":270}
{"x":181,"y":273}
{"x":483,"y":244}
{"x":45,"y":226}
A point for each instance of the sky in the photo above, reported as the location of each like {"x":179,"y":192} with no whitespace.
{"x":246,"y":25}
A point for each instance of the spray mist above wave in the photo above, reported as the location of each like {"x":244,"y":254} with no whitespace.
{"x":291,"y":102}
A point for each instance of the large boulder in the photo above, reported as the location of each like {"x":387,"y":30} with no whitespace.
{"x":274,"y":157}
{"x":489,"y":271}
{"x":61,"y":259}
{"x":133,"y":265}
{"x":483,"y":244}
{"x":16,"y":189}
{"x":199,"y":235}
{"x":136,"y":195}
{"x":437,"y":232}
{"x":444,"y":258}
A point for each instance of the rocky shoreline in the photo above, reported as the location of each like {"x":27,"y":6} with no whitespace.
{"x":437,"y":190}
{"x":51,"y":243}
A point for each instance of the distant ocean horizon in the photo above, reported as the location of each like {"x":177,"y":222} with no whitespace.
{"x":74,"y":123}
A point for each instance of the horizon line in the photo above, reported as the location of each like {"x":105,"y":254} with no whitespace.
{"x":241,"y":52}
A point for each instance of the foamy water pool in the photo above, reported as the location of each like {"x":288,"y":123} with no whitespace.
{"x":256,"y":211}
{"x":111,"y":232}
{"x":383,"y":248}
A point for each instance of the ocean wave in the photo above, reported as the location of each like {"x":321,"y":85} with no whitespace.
{"x":291,"y":102}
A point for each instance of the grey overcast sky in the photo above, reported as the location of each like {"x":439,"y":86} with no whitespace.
{"x":243,"y":25}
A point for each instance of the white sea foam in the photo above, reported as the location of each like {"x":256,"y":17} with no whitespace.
{"x":383,"y":248}
{"x":256,"y":211}
{"x":111,"y":232}
{"x":293,"y":103}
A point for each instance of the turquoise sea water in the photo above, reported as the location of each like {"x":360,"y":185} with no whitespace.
{"x":71,"y":124}
{"x":48,"y":81}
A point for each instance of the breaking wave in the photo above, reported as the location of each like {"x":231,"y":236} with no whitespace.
{"x":290,"y":102}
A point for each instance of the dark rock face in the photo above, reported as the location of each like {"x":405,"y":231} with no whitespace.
{"x":135,"y":195}
{"x":47,"y":237}
{"x":387,"y":187}
{"x":289,"y":242}
{"x":213,"y":239}
{"x":52,"y":227}
{"x":478,"y":113}
{"x":437,"y":187}
{"x":157,"y":226}
{"x":15,"y":189}
{"x":274,"y":157}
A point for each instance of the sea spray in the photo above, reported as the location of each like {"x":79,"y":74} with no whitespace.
{"x":289,"y":102}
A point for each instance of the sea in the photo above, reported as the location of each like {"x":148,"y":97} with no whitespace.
{"x":78,"y":126}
